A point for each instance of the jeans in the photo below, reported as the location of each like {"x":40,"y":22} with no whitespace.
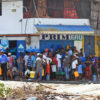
{"x":36,"y":74}
{"x":59,"y":69}
{"x":66,"y":69}
{"x":48,"y":77}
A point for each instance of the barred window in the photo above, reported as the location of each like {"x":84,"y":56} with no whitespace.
{"x":57,"y":8}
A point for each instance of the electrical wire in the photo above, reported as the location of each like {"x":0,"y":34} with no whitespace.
{"x":35,"y":9}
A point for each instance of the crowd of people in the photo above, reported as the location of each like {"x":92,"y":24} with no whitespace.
{"x":46,"y":64}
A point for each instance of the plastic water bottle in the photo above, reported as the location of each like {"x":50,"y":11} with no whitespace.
{"x":94,"y":78}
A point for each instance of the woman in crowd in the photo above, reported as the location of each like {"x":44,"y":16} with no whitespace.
{"x":10,"y":66}
{"x":20,"y":62}
{"x":54,"y":66}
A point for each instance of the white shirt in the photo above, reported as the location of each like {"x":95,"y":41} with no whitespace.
{"x":26,"y":59}
{"x":48,"y":60}
{"x":44,"y":57}
{"x":74,"y":64}
{"x":59,"y":60}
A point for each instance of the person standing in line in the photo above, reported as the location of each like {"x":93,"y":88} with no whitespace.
{"x":54,"y":66}
{"x":58,"y":57}
{"x":48,"y":61}
{"x":20,"y":62}
{"x":3,"y":61}
{"x":33,"y":58}
{"x":67,"y":66}
{"x":25,"y":61}
{"x":29,"y":62}
{"x":10,"y":66}
{"x":74,"y":66}
{"x":39,"y":67}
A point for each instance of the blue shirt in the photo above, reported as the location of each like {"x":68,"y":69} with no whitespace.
{"x":3,"y":59}
{"x":70,"y":53}
{"x":80,"y":69}
{"x":29,"y":62}
{"x":33,"y":58}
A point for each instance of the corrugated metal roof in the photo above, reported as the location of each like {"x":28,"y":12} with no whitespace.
{"x":63,"y":28}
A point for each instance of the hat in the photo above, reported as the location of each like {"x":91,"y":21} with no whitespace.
{"x":9,"y":54}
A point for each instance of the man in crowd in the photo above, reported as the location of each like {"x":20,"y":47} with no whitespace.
{"x":3,"y":61}
{"x":39,"y":67}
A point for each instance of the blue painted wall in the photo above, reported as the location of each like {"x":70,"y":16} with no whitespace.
{"x":23,"y":43}
{"x":55,"y":43}
{"x":89,"y":45}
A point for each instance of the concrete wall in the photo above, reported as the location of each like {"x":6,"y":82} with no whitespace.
{"x":12,"y":22}
{"x":35,"y":42}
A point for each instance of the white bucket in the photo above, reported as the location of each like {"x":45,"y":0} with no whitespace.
{"x":53,"y":68}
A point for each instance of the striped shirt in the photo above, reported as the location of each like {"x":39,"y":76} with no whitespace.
{"x":29,"y":63}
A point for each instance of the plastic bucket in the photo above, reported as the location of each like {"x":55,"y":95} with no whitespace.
{"x":32,"y":74}
{"x":53,"y":68}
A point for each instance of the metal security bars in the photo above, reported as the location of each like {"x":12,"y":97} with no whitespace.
{"x":57,"y":8}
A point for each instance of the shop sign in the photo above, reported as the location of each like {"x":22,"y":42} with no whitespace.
{"x":20,"y":48}
{"x":4,"y":42}
{"x":77,"y":37}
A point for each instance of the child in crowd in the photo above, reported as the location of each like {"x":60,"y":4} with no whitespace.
{"x":88,"y":70}
{"x":80,"y":70}
{"x":27,"y":73}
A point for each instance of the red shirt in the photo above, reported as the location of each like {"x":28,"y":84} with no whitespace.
{"x":55,"y":62}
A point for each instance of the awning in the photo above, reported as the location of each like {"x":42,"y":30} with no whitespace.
{"x":64,"y":29}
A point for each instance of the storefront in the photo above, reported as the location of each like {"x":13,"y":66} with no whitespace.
{"x":60,"y":36}
{"x":19,"y":43}
{"x":59,"y":40}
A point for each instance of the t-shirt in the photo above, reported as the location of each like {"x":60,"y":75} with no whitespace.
{"x":14,"y":58}
{"x":44,"y":57}
{"x":29,"y":63}
{"x":10,"y":60}
{"x":70,"y":53}
{"x":38,"y":63}
{"x":48,"y":60}
{"x":26,"y":59}
{"x":59,"y":60}
{"x":80,"y":69}
{"x":33,"y":58}
{"x":74,"y":64}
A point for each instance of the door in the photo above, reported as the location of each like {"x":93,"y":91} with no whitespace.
{"x":89,"y":45}
{"x":13,"y":46}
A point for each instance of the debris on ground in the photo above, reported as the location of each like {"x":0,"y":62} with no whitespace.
{"x":26,"y":92}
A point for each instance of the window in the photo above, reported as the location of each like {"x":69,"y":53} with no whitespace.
{"x":56,"y":8}
{"x":0,"y":7}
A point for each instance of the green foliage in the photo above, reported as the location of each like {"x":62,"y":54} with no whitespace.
{"x":4,"y":91}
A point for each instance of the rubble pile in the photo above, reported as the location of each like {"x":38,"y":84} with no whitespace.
{"x":24,"y":93}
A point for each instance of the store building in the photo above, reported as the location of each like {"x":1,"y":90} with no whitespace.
{"x":56,"y":23}
{"x":61,"y":36}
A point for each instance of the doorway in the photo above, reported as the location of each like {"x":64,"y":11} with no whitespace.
{"x":13,"y":46}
